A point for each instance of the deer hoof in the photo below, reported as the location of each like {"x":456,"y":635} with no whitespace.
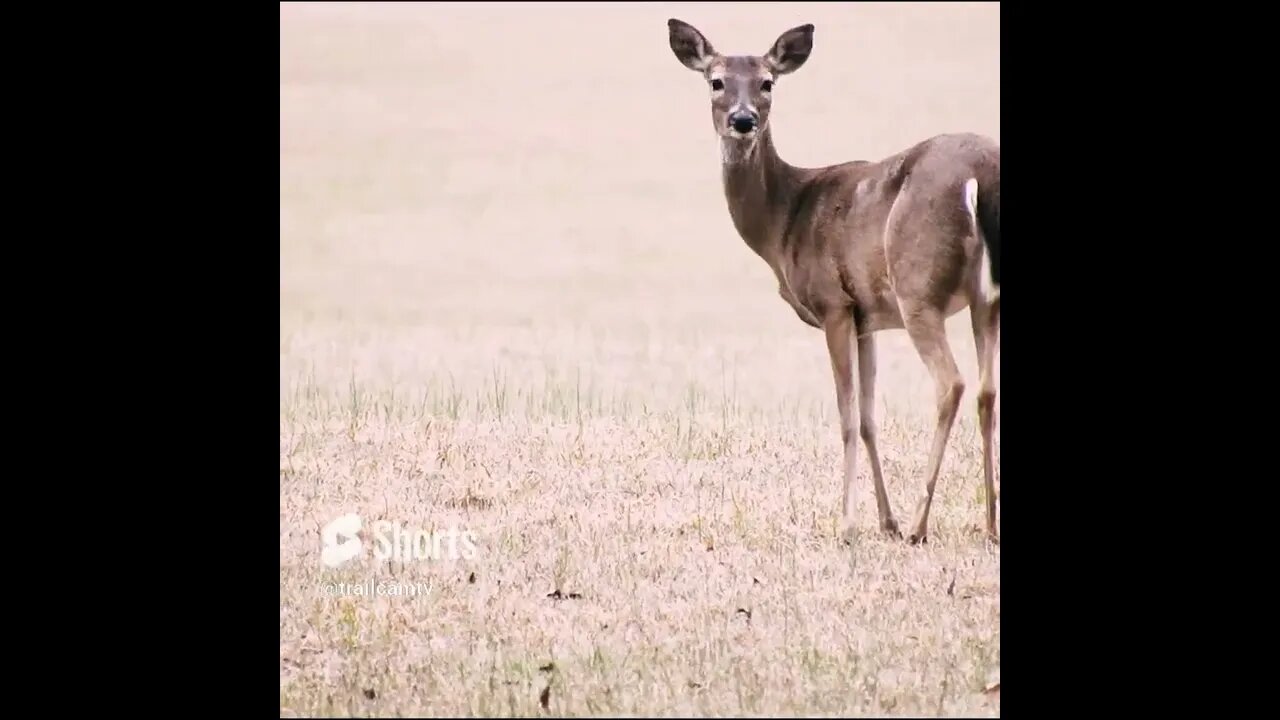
{"x":918,"y":539}
{"x":890,"y":528}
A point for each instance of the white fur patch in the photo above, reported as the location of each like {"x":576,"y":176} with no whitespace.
{"x":971,"y":196}
{"x":986,"y":283}
{"x":990,"y":291}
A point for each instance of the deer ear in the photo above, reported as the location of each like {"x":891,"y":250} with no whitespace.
{"x":690,"y":47}
{"x":790,"y":50}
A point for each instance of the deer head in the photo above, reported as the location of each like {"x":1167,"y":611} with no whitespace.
{"x":741,"y":85}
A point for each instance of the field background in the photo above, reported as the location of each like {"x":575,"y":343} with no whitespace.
{"x":512,"y":302}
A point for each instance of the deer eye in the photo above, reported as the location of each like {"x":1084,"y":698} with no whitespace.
{"x":717,"y":84}
{"x":767,"y":85}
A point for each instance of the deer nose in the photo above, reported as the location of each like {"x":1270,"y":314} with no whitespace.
{"x":743,"y":122}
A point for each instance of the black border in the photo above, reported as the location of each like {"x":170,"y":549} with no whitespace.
{"x":1091,"y":315}
{"x":192,"y":99}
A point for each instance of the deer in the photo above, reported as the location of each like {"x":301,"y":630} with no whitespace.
{"x":865,"y":246}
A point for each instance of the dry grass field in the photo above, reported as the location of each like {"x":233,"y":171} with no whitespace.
{"x":513,"y":306}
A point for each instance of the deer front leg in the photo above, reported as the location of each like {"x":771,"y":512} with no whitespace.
{"x":866,"y":418}
{"x":840,"y":344}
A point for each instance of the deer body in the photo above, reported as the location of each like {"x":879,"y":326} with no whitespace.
{"x":860,"y":247}
{"x":824,"y":231}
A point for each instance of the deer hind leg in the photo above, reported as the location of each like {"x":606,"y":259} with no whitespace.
{"x":984,"y":310}
{"x":986,"y":320}
{"x":866,"y":405}
{"x":926,"y":326}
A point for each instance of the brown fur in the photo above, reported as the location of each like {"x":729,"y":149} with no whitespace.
{"x":863,"y":246}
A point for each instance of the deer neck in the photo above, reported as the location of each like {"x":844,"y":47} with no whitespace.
{"x":760,"y":188}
